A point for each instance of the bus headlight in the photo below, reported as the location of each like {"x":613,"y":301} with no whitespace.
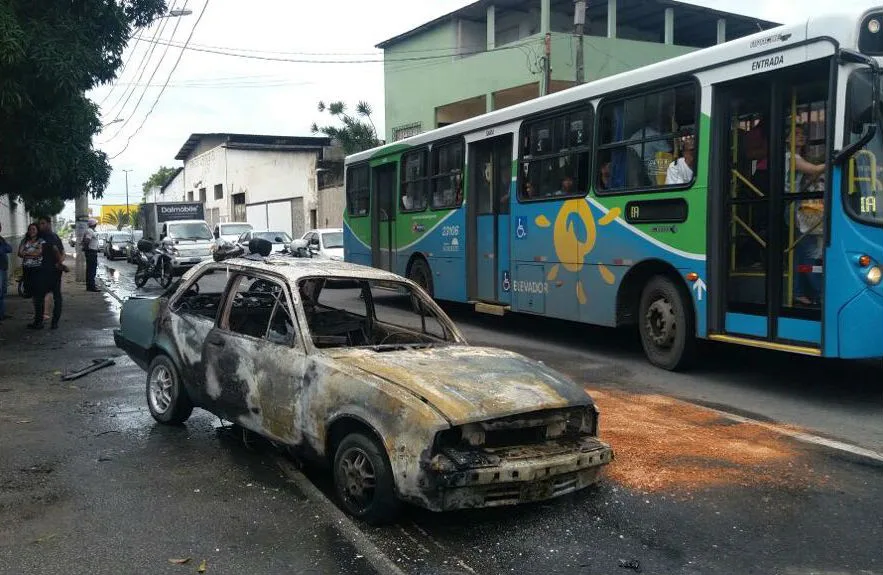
{"x":875,"y":274}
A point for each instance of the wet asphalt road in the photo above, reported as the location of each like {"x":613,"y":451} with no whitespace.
{"x":825,"y":518}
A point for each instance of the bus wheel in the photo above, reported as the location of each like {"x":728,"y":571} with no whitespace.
{"x":666,"y":325}
{"x":421,"y":275}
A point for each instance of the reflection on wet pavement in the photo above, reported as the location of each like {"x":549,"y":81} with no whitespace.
{"x":118,"y":279}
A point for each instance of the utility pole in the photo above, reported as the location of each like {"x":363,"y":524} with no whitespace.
{"x":81,"y":217}
{"x":547,"y":64}
{"x":579,"y":21}
{"x":128,"y":216}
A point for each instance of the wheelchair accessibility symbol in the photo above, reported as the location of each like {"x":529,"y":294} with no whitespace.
{"x":507,"y":283}
{"x":521,"y":227}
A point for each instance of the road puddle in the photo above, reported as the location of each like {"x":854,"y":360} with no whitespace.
{"x":663,"y":444}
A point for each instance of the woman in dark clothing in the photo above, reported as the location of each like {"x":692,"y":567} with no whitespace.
{"x":31,"y":253}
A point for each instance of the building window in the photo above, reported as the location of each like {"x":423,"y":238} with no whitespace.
{"x":357,"y":190}
{"x":414,"y":181}
{"x":555,"y":154}
{"x":202,"y":195}
{"x":641,"y":136}
{"x":219,"y":191}
{"x":190,"y":196}
{"x":406,"y":131}
{"x":238,"y":207}
{"x":447,"y":175}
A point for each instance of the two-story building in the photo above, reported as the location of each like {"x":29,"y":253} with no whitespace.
{"x":492,"y":53}
{"x":268,"y":181}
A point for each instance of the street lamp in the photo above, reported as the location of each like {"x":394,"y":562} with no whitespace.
{"x":177,"y":13}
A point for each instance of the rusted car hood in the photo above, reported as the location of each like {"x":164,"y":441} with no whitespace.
{"x":468,"y":384}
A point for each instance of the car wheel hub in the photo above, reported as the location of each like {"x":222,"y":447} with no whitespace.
{"x":357,"y":475}
{"x":161,"y":389}
{"x":660,"y":323}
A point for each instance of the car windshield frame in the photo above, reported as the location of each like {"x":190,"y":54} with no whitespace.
{"x":238,"y":229}
{"x":176,"y":234}
{"x":328,"y":246}
{"x":452,"y":334}
{"x":267,"y":235}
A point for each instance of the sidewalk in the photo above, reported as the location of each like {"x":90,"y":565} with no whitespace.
{"x":89,"y":484}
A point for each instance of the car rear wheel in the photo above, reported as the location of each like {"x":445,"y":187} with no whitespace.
{"x":666,"y":324}
{"x":363,"y":479}
{"x":166,"y":397}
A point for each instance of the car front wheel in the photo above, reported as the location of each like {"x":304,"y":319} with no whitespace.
{"x":166,"y":397}
{"x":363,"y":479}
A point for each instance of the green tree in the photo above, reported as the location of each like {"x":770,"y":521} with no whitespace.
{"x":121,"y":219}
{"x":51,"y":53}
{"x":357,"y":132}
{"x":159,"y":178}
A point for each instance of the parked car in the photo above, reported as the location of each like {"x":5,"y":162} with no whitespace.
{"x":131,"y":247}
{"x":395,"y":401}
{"x":279,"y":239}
{"x":326,"y":243}
{"x":115,"y":244}
{"x":229,"y":232}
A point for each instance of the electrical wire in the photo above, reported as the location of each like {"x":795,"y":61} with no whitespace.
{"x":142,"y":66}
{"x":162,"y":91}
{"x":131,"y":114}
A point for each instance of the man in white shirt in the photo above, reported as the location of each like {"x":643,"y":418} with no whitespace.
{"x":681,"y":170}
{"x":90,"y":251}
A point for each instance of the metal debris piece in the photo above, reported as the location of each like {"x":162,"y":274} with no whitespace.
{"x":94,"y":366}
{"x":632,"y":564}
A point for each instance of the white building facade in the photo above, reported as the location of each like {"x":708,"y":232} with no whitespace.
{"x":269,"y":181}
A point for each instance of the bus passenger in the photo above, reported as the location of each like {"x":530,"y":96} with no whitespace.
{"x":604,"y":176}
{"x":681,"y":170}
{"x":566,"y":186}
{"x":810,"y":220}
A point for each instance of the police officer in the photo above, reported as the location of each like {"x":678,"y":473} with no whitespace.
{"x":90,"y":249}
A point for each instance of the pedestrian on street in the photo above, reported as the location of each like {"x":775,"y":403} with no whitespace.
{"x":31,"y":253}
{"x":5,"y":250}
{"x":49,"y":277}
{"x":90,"y":249}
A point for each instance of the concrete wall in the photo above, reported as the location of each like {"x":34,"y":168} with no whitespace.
{"x":331,"y":206}
{"x":471,"y":37}
{"x":505,"y":22}
{"x":174,"y":192}
{"x":414,"y":92}
{"x":15,"y":222}
{"x":204,"y":171}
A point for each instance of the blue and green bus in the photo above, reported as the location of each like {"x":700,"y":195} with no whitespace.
{"x":732,"y":194}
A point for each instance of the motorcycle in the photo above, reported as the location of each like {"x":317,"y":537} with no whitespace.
{"x":152,"y":264}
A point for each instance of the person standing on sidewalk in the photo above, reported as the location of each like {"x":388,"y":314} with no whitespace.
{"x":90,"y":249}
{"x":31,"y":253}
{"x":5,"y":250}
{"x":49,"y":279}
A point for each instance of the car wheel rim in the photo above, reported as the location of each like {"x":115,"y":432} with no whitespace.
{"x":660,"y":323}
{"x":357,"y":479}
{"x":161,"y":389}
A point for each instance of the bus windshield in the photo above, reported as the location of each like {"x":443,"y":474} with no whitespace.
{"x":863,"y":173}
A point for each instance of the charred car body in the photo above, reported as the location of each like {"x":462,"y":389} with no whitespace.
{"x":387,"y":393}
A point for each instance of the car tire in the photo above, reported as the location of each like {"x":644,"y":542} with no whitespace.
{"x":358,"y":459}
{"x":667,"y":325}
{"x":140,"y":276}
{"x":167,"y":399}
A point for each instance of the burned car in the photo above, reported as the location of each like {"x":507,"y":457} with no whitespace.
{"x":336,"y":361}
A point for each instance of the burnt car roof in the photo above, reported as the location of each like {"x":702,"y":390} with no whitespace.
{"x":294,"y":269}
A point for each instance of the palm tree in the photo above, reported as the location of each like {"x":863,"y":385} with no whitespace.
{"x":118,"y":218}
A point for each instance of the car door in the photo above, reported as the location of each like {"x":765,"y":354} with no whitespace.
{"x":254,"y":359}
{"x":193,"y":311}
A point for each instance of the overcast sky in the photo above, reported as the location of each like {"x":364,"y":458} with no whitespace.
{"x":216,"y":93}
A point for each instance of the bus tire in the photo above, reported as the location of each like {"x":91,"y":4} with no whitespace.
{"x":421,"y":275}
{"x":667,"y":325}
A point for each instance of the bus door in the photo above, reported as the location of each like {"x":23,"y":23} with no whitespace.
{"x":383,"y":216}
{"x":490,"y":179}
{"x":767,"y":246}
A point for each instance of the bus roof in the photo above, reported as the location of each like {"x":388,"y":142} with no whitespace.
{"x":841,"y":27}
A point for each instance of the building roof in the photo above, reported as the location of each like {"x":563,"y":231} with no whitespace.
{"x":638,"y":13}
{"x":256,"y":142}
{"x":168,"y":182}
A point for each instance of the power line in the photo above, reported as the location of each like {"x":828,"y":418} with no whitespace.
{"x":142,"y":66}
{"x":131,"y":114}
{"x":162,"y":91}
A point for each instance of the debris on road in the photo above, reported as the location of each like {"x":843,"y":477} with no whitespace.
{"x":184,"y":561}
{"x":94,"y":366}
{"x":667,"y":444}
{"x":202,"y":567}
{"x":632,"y":564}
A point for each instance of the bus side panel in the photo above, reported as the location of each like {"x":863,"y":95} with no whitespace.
{"x":853,"y":326}
{"x":357,"y":240}
{"x":438,"y":237}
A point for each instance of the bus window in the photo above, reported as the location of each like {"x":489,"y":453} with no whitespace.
{"x":863,"y":176}
{"x":640,"y":138}
{"x":357,"y":190}
{"x":555,"y":156}
{"x":447,"y":176}
{"x":414,"y":181}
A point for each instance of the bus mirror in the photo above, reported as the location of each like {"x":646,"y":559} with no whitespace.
{"x":850,"y":150}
